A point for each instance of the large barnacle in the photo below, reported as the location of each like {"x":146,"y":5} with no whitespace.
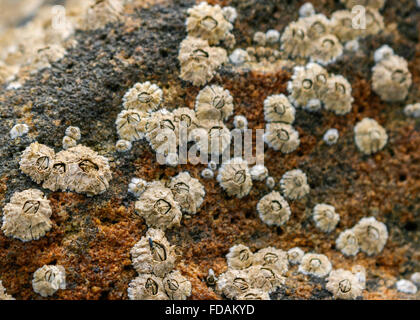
{"x":344,"y":284}
{"x":239,"y":257}
{"x":371,"y":235}
{"x":273,"y":209}
{"x":273,"y":258}
{"x":176,"y":286}
{"x":258,"y":172}
{"x":214,"y":103}
{"x":144,"y":97}
{"x":338,"y":96}
{"x":277,"y":108}
{"x":27,"y":216}
{"x":48,"y":279}
{"x":326,"y":49}
{"x":146,"y":287}
{"x":347,"y":243}
{"x":294,"y":184}
{"x":102,"y":12}
{"x":295,"y":41}
{"x":370,"y":137}
{"x":325,"y":217}
{"x":3,"y":294}
{"x":131,"y":124}
{"x":37,"y":161}
{"x":234,"y":283}
{"x":315,"y":264}
{"x":235,"y":178}
{"x":342,"y":25}
{"x":281,"y":136}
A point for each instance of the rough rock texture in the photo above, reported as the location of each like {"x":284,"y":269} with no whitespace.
{"x":92,"y":237}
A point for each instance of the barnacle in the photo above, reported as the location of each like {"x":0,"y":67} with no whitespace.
{"x":123,"y":145}
{"x":371,"y":235}
{"x":343,"y":284}
{"x":273,"y":258}
{"x":352,"y":45}
{"x":317,"y":26}
{"x":137,"y":186}
{"x":60,"y":174}
{"x":185,"y":118}
{"x":342,"y":25}
{"x":377,"y":4}
{"x":347,"y":243}
{"x":239,"y":257}
{"x":315,"y":264}
{"x":294,"y":184}
{"x":233,"y":283}
{"x":37,"y":161}
{"x":143,"y":97}
{"x":254,"y":294}
{"x":273,"y":209}
{"x":412,"y":110}
{"x":391,"y":78}
{"x":176,"y":286}
{"x":331,"y":136}
{"x":240,"y":122}
{"x":48,"y":279}
{"x":306,"y":10}
{"x":207,"y":173}
{"x":325,"y":217}
{"x":370,"y":137}
{"x":265,"y":277}
{"x":68,"y":142}
{"x":199,"y":61}
{"x":258,"y":172}
{"x":161,"y":130}
{"x":153,"y":254}
{"x":337,"y":97}
{"x":234,"y":177}
{"x":259,"y":38}
{"x":270,"y":182}
{"x":415,"y":277}
{"x":230,"y":14}
{"x":131,"y":124}
{"x":19,"y":130}
{"x":73,"y":132}
{"x":212,"y":138}
{"x":158,"y":207}
{"x":303,"y":86}
{"x":313,"y":105}
{"x":239,"y":57}
{"x":326,"y":49}
{"x":102,"y":12}
{"x":277,"y":108}
{"x":281,"y":136}
{"x":187,"y":191}
{"x":3,"y":294}
{"x":374,"y":22}
{"x":406,"y":286}
{"x":272,"y":36}
{"x":295,"y":255}
{"x":27,"y":216}
{"x":207,"y":22}
{"x":146,"y":287}
{"x":214,"y":103}
{"x":384,"y":52}
{"x":295,"y":41}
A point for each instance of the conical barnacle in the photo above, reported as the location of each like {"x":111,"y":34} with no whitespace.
{"x":234,"y":177}
{"x":161,"y":130}
{"x":146,"y":287}
{"x":3,"y":294}
{"x":384,"y":52}
{"x":176,"y":286}
{"x":281,"y":136}
{"x":347,"y":243}
{"x":272,"y":257}
{"x":406,"y":286}
{"x":143,"y":97}
{"x":326,"y":49}
{"x":19,"y":130}
{"x":338,"y":96}
{"x":233,"y":283}
{"x":137,"y":186}
{"x":303,"y":85}
{"x":185,"y":118}
{"x":207,"y":22}
{"x":68,"y":142}
{"x":266,"y":278}
{"x":102,"y":12}
{"x":48,"y":279}
{"x":273,"y":209}
{"x":258,"y":172}
{"x":391,"y":79}
{"x":212,"y":138}
{"x":158,"y":207}
{"x":37,"y":161}
{"x":239,"y":257}
{"x":320,"y":77}
{"x":295,"y":255}
{"x":370,"y":137}
{"x":230,"y":14}
{"x":371,"y":235}
{"x":294,"y":184}
{"x":295,"y":41}
{"x":317,"y":26}
{"x":342,"y":25}
{"x":59,"y":177}
{"x":412,"y":110}
{"x":254,"y":294}
{"x":315,"y":264}
{"x":377,"y":4}
{"x":187,"y":191}
{"x":240,"y":122}
{"x":73,"y":132}
{"x":214,"y":103}
{"x":277,"y":108}
{"x":153,"y":254}
{"x":331,"y":136}
{"x":325,"y":217}
{"x":374,"y":23}
{"x":239,"y":56}
{"x":343,"y":285}
{"x":27,"y":216}
{"x":131,"y":124}
{"x":272,"y":36}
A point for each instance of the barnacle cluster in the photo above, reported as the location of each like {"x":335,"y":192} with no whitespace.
{"x":48,"y":279}
{"x":370,"y":136}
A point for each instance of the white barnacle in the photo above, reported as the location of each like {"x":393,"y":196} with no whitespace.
{"x":272,"y":36}
{"x":352,"y":45}
{"x":315,"y":264}
{"x":234,"y":177}
{"x":374,"y":23}
{"x":294,"y":184}
{"x":146,"y":287}
{"x":259,"y":38}
{"x":48,"y":279}
{"x":327,"y":49}
{"x":176,"y":286}
{"x":73,"y":132}
{"x":370,"y":137}
{"x":131,"y":124}
{"x":331,"y":136}
{"x":161,"y":131}
{"x":412,"y":110}
{"x":137,"y":186}
{"x":273,"y":209}
{"x":344,"y":284}
{"x":19,"y":130}
{"x":212,"y":165}
{"x":239,"y":257}
{"x":325,"y":217}
{"x":123,"y":145}
{"x":37,"y":161}
{"x":230,"y":14}
{"x":68,"y":142}
{"x":258,"y":172}
{"x":270,"y":182}
{"x":382,"y":53}
{"x":406,"y":286}
{"x":277,"y":108}
{"x":306,"y":10}
{"x":212,"y":138}
{"x":342,"y":25}
{"x":274,"y":258}
{"x":302,"y":87}
{"x":27,"y":216}
{"x":239,"y":57}
{"x":295,"y":255}
{"x":240,"y":122}
{"x":371,"y":235}
{"x":233,"y":283}
{"x":214,"y":103}
{"x":295,"y":41}
{"x":347,"y":243}
{"x":3,"y":294}
{"x":143,"y":97}
{"x":281,"y":137}
{"x":185,"y":118}
{"x":207,"y":173}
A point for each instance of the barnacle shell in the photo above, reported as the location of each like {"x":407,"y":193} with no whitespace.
{"x":343,"y":285}
{"x":146,"y":287}
{"x":370,"y":137}
{"x":254,"y":294}
{"x":347,"y":243}
{"x":161,"y":130}
{"x":230,"y":14}
{"x":281,"y":136}
{"x":68,"y":142}
{"x":331,"y":136}
{"x":327,"y":49}
{"x":3,"y":294}
{"x":48,"y":279}
{"x":137,"y":186}
{"x":317,"y":26}
{"x":214,"y":103}
{"x":19,"y":130}
{"x":27,"y":216}
{"x":102,"y":12}
{"x":176,"y":286}
{"x":235,"y":178}
{"x":270,"y":182}
{"x":60,"y":173}
{"x":412,"y":110}
{"x":266,"y":278}
{"x":240,"y":122}
{"x":185,"y":117}
{"x":143,"y":97}
{"x":272,"y":36}
{"x":73,"y":132}
{"x":259,"y":38}
{"x":239,"y":257}
{"x":153,"y":254}
{"x":207,"y":173}
{"x":338,"y":96}
{"x":406,"y":286}
{"x":272,"y":257}
{"x":258,"y":172}
{"x":158,"y":207}
{"x":377,"y":4}
{"x":294,"y":184}
{"x":342,"y":27}
{"x":302,"y":87}
{"x":187,"y":191}
{"x":37,"y":161}
{"x":295,"y":41}
{"x":295,"y":255}
{"x":374,"y":23}
{"x":325,"y":217}
{"x":131,"y":124}
{"x":239,"y":57}
{"x":277,"y":108}
{"x":307,"y":9}
{"x":371,"y":235}
{"x":273,"y":209}
{"x":384,"y":52}
{"x":415,"y":277}
{"x":233,"y":283}
{"x":315,"y":264}
{"x":123,"y":145}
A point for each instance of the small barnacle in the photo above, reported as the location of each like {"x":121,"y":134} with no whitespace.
{"x":327,"y":49}
{"x":73,"y":132}
{"x":160,"y":127}
{"x":273,"y":209}
{"x":48,"y":279}
{"x":415,"y":277}
{"x":281,"y":136}
{"x":306,"y":10}
{"x":406,"y":286}
{"x":254,"y":294}
{"x":233,"y":283}
{"x":153,"y":254}
{"x":382,"y":53}
{"x":214,"y":103}
{"x":68,"y":142}
{"x":230,"y":14}
{"x":239,"y":57}
{"x":270,"y":182}
{"x":377,"y":4}
{"x":360,"y":274}
{"x":325,"y":217}
{"x":294,"y":184}
{"x":146,"y":287}
{"x":342,"y":25}
{"x":212,"y":165}
{"x":207,"y":22}
{"x":347,"y":243}
{"x":272,"y":36}
{"x":27,"y":216}
{"x":137,"y":186}
{"x":371,"y":235}
{"x":187,"y":191}
{"x":37,"y":161}
{"x":258,"y":172}
{"x":295,"y":41}
{"x":3,"y":294}
{"x":239,"y":257}
{"x":338,"y":96}
{"x":302,"y":86}
{"x":211,"y":278}
{"x":259,"y":38}
{"x":102,"y":12}
{"x":123,"y":145}
{"x":272,"y":257}
{"x":374,"y":23}
{"x":331,"y":136}
{"x":176,"y":286}
{"x":199,"y":61}
{"x":266,"y":278}
{"x":143,"y":97}
{"x":212,"y":138}
{"x":158,"y":207}
{"x":234,"y":177}
{"x":295,"y":255}
{"x":344,"y":284}
{"x":370,"y":137}
{"x":185,"y":118}
{"x":207,"y":173}
{"x":277,"y":108}
{"x":131,"y":124}
{"x":315,"y":264}
{"x":317,"y":26}
{"x":240,"y":122}
{"x":412,"y":110}
{"x":391,"y":79}
{"x":19,"y":130}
